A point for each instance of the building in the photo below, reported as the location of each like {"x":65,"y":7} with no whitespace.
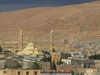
{"x":55,"y":57}
{"x":30,"y":50}
{"x":78,"y":56}
{"x":20,"y":72}
{"x":7,"y":62}
{"x":90,"y":71}
{"x":32,"y":57}
{"x":97,"y":63}
{"x":55,"y":73}
{"x":66,"y":61}
{"x":68,"y":68}
{"x":45,"y":65}
{"x":64,"y":55}
{"x":81,"y":70}
{"x":86,"y":63}
{"x":95,"y":70}
{"x":3,"y":72}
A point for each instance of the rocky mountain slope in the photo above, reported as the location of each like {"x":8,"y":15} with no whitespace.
{"x":79,"y":22}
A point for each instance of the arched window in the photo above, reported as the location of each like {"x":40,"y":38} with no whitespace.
{"x":18,"y":73}
{"x":27,"y":73}
{"x":35,"y":73}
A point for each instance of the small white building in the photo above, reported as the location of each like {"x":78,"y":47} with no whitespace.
{"x":66,"y":61}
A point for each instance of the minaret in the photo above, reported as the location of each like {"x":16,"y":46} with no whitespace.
{"x":21,"y":40}
{"x":52,"y":40}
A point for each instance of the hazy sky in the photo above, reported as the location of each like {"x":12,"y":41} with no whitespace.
{"x":11,"y":5}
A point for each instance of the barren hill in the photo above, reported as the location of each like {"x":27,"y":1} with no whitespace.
{"x":74,"y":22}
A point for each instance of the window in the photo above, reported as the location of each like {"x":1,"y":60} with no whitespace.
{"x":18,"y":73}
{"x":27,"y":73}
{"x":35,"y":73}
{"x":4,"y":71}
{"x":62,"y":67}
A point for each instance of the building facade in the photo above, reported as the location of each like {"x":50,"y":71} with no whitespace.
{"x":20,"y":72}
{"x":68,"y":68}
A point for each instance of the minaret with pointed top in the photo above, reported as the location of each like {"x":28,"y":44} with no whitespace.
{"x":21,"y":40}
{"x":52,"y":40}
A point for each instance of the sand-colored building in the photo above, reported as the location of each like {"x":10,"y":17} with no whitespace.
{"x":3,"y":72}
{"x":20,"y":72}
{"x":89,"y":71}
{"x":30,"y":50}
{"x":92,"y":71}
{"x":55,"y":57}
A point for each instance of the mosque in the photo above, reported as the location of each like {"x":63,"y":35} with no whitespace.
{"x":30,"y":48}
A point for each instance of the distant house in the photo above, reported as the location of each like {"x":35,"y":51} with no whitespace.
{"x":83,"y":62}
{"x":7,"y":62}
{"x":45,"y":65}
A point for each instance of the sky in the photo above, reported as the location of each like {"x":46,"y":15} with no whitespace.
{"x":12,"y":5}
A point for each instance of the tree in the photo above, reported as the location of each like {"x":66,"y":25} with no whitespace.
{"x":59,"y":62}
{"x":51,"y":63}
{"x":96,"y":56}
{"x":84,"y":66}
{"x":45,"y":52}
{"x":54,"y":65}
{"x":54,"y":50}
{"x":36,"y":66}
{"x":51,"y":66}
{"x":18,"y":65}
{"x":7,"y":52}
{"x":16,"y":50}
{"x":45,"y":59}
{"x":1,"y":49}
{"x":6,"y":66}
{"x":72,"y":73}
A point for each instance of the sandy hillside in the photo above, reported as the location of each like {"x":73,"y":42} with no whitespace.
{"x":74,"y":22}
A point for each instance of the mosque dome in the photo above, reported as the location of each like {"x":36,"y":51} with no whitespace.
{"x":36,"y":53}
{"x":41,"y":53}
{"x":36,"y":50}
{"x":20,"y":53}
{"x":30,"y":47}
{"x":30,"y":44}
{"x":28,"y":52}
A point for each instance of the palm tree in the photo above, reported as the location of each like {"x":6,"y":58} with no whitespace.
{"x":36,"y":66}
